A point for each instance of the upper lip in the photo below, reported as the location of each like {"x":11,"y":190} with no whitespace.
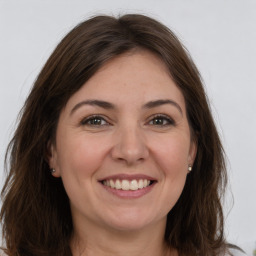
{"x":128,"y":177}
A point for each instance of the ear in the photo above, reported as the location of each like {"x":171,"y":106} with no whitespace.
{"x":52,"y":159}
{"x":192,"y":151}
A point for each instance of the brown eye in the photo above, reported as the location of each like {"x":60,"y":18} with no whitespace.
{"x":94,"y":121}
{"x":161,"y":121}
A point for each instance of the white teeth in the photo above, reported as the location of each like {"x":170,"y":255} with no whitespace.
{"x":134,"y":185}
{"x":141,"y":184}
{"x":112,"y":184}
{"x":118,"y":184}
{"x":127,"y":184}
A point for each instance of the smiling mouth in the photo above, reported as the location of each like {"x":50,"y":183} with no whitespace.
{"x":124,"y":184}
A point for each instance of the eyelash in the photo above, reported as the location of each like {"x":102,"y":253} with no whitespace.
{"x":166,"y":121}
{"x":164,"y":118}
{"x":89,"y":119}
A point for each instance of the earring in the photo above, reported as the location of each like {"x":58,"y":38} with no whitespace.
{"x":189,"y":168}
{"x":53,"y":171}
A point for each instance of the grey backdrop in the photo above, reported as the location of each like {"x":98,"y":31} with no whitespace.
{"x":221,"y":36}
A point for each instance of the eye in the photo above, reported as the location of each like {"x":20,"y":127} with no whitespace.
{"x":161,"y":120}
{"x":94,"y":121}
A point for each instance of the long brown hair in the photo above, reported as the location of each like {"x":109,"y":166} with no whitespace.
{"x":36,"y":214}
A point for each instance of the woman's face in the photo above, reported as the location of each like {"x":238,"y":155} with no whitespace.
{"x":123,"y":145}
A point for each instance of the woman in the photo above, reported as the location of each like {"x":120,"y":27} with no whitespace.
{"x":116,"y":152}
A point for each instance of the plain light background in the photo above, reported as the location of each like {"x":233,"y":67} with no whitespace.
{"x":221,"y":37}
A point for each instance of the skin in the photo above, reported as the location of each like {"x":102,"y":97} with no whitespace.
{"x":133,"y":137}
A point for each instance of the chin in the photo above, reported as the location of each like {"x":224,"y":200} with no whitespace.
{"x":133,"y":222}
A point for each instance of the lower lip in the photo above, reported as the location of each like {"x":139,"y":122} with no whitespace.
{"x":129,"y":194}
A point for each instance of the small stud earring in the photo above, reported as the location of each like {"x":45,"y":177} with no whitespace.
{"x":53,"y":171}
{"x":189,"y":168}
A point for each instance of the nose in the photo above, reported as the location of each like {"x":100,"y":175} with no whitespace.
{"x":130,"y":146}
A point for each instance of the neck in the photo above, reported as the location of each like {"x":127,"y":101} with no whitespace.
{"x":98,"y":241}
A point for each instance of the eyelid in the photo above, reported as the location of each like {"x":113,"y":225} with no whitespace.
{"x":94,"y":116}
{"x":164,"y":116}
{"x":84,"y":121}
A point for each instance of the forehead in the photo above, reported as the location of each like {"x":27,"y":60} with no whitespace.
{"x":138,"y":76}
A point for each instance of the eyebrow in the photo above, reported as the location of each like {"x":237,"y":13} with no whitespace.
{"x":108,"y":105}
{"x":157,"y":103}
{"x":99,"y":103}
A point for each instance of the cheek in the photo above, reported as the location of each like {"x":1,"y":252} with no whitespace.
{"x":172,"y":154}
{"x":80,"y":156}
{"x":172,"y":159}
{"x":79,"y":159}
